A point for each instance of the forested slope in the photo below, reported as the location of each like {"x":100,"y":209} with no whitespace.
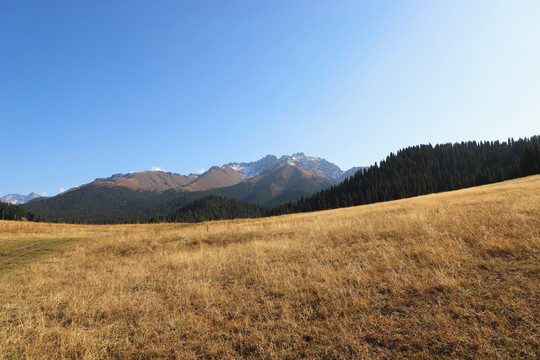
{"x":215,"y":208}
{"x":14,"y":212}
{"x":426,"y":169}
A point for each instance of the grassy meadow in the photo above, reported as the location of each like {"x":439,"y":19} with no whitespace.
{"x":443,"y":276}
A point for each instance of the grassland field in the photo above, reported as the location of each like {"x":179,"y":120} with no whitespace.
{"x":442,"y":276}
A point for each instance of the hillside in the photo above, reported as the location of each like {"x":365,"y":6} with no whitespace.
{"x":14,"y":212}
{"x":425,"y":169}
{"x":283,"y":183}
{"x":223,"y":176}
{"x":104,"y":201}
{"x":105,"y":204}
{"x":443,"y":276}
{"x":215,"y":178}
{"x":147,"y":181}
{"x":215,"y":208}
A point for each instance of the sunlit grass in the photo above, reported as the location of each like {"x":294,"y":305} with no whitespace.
{"x":451,"y":275}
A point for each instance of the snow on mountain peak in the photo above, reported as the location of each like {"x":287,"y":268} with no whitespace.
{"x":314,"y":165}
{"x":18,"y":199}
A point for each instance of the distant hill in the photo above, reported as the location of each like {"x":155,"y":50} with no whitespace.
{"x":282,"y":183}
{"x":142,"y":195}
{"x":148,"y":181}
{"x":227,"y":175}
{"x":99,"y":203}
{"x":103,"y":203}
{"x":216,"y":177}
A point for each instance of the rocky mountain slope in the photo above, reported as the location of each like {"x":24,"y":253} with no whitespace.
{"x":139,"y":195}
{"x":148,"y":180}
{"x":319,"y":167}
{"x":18,"y":199}
{"x":227,"y":175}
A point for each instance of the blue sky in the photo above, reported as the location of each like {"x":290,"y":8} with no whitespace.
{"x":92,"y":88}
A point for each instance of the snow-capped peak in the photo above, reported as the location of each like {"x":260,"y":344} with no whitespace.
{"x":314,"y":165}
{"x":18,"y":199}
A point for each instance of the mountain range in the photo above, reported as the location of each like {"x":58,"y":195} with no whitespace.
{"x":18,"y":199}
{"x":296,"y":183}
{"x":268,"y":181}
{"x":227,"y":175}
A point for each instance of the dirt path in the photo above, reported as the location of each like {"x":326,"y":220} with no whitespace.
{"x":6,"y":253}
{"x":9,"y":256}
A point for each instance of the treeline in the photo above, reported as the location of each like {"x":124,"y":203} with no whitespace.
{"x":214,"y":208}
{"x":14,"y":212}
{"x":98,"y":204}
{"x":426,"y":169}
{"x":529,"y":163}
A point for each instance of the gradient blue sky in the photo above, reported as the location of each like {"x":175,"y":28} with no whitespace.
{"x":91,"y":88}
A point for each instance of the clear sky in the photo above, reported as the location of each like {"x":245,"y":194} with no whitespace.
{"x":90,"y":88}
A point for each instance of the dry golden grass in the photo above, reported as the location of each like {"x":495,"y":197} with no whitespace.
{"x":453,"y":275}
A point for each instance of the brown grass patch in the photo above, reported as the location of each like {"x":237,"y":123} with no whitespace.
{"x":451,"y":275}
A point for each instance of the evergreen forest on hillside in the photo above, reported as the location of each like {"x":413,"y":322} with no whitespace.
{"x":529,"y":163}
{"x":14,"y":212}
{"x":110,"y":205}
{"x":215,"y":208}
{"x":426,"y":169}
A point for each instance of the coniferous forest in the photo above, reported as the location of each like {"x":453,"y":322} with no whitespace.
{"x":14,"y":212}
{"x":215,"y":208}
{"x":426,"y":169}
{"x":529,"y":164}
